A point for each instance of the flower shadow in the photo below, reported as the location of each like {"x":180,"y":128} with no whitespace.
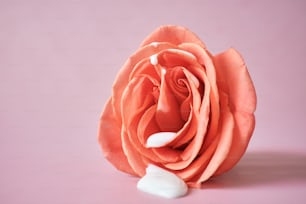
{"x":263,"y":168}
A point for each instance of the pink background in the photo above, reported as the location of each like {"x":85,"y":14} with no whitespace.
{"x":58,"y":60}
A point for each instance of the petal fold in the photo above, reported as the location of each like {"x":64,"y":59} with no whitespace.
{"x":172,"y":34}
{"x":234,"y":80}
{"x":109,"y":137}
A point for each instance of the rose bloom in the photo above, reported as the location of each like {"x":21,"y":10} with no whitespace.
{"x":199,"y":108}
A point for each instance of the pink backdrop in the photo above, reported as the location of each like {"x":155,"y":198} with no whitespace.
{"x":58,"y":60}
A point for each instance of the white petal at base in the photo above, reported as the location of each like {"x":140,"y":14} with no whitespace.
{"x":160,"y":139}
{"x":161,"y":182}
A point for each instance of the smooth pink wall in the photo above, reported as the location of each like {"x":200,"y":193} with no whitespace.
{"x":58,"y":60}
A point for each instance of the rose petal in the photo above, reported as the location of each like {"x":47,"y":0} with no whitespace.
{"x":110,"y":140}
{"x":188,"y":131}
{"x":137,"y":99}
{"x":122,"y":78}
{"x":203,"y":116}
{"x":191,"y":151}
{"x":167,"y":154}
{"x":172,"y":34}
{"x":206,"y":59}
{"x":234,"y":79}
{"x":197,"y":167}
{"x":147,"y":125}
{"x":225,"y":135}
{"x":136,"y":161}
{"x":176,"y":57}
{"x":178,"y":83}
{"x":144,"y":67}
{"x":208,"y":162}
{"x":186,"y":108}
{"x":167,"y":112}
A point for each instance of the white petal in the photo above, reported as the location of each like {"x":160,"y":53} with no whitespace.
{"x":160,"y":182}
{"x":160,"y":139}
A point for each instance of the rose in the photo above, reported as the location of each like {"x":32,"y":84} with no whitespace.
{"x":177,"y":106}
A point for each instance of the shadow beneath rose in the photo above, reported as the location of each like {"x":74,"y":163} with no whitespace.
{"x":263,"y":168}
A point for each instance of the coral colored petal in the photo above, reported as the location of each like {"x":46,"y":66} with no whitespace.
{"x":186,"y":108}
{"x":141,"y":59}
{"x":147,"y":125}
{"x":176,"y":57}
{"x":178,"y":84}
{"x":172,"y":34}
{"x":110,"y":140}
{"x":167,"y":154}
{"x":197,"y":167}
{"x":187,"y":132}
{"x":144,"y":67}
{"x":234,"y":80}
{"x":136,"y":100}
{"x":232,"y":72}
{"x":122,"y":79}
{"x":206,"y":59}
{"x":244,"y":127}
{"x":167,"y":112}
{"x":135,"y":160}
{"x":203,"y":117}
{"x":191,"y":151}
{"x":225,"y":134}
{"x":193,"y":102}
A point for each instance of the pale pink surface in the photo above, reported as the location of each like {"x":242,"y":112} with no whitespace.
{"x":58,"y":61}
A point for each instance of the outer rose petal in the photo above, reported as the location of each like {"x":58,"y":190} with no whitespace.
{"x":174,"y":35}
{"x":110,"y":139}
{"x":234,"y":79}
